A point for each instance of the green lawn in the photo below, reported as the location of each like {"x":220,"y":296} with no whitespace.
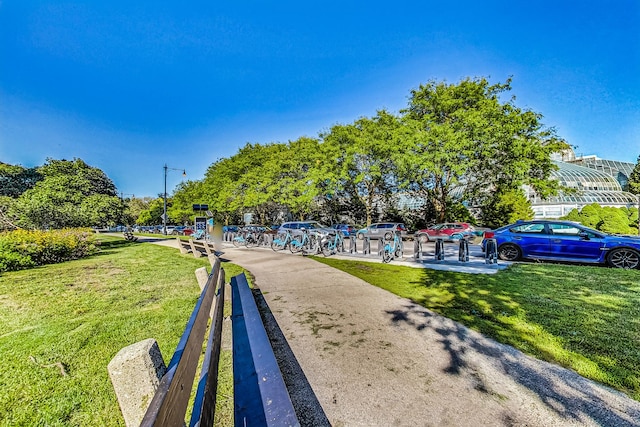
{"x":61,"y":324}
{"x":583,"y":318}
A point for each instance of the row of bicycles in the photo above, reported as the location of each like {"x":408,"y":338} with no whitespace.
{"x":307,"y":242}
{"x":310,"y":242}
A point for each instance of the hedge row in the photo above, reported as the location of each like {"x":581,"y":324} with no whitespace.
{"x":20,"y":249}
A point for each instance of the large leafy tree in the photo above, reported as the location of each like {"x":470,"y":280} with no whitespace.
{"x":293,"y":173}
{"x":15,"y":179}
{"x":70,"y":194}
{"x":464,"y":140}
{"x":153,"y":214}
{"x":360,"y":161}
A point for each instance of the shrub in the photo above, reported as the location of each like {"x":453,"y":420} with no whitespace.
{"x":21,"y":249}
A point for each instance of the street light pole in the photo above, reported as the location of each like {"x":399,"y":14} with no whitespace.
{"x":164,"y":213}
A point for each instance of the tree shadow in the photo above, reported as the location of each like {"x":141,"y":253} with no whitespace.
{"x":305,"y":403}
{"x":563,"y":391}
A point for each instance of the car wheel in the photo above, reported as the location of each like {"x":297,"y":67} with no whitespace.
{"x":388,"y":235}
{"x":624,"y":258}
{"x":509,"y":252}
{"x":422,"y":238}
{"x":360,"y":236}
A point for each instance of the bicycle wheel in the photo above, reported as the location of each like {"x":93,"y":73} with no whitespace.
{"x":277,"y":244}
{"x":326,"y":249}
{"x":251,"y":241}
{"x":386,"y":255}
{"x":313,"y":246}
{"x":295,"y":246}
{"x":238,"y":241}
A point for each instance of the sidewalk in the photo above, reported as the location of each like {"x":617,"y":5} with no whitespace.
{"x":369,"y":358}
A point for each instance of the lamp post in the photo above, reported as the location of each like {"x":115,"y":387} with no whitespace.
{"x":164,"y":213}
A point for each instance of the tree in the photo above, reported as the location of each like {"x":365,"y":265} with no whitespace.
{"x":463,"y":140}
{"x":180,"y":210}
{"x":634,"y":179}
{"x":59,"y":199}
{"x":360,"y":160}
{"x":506,"y":208}
{"x":607,"y":219}
{"x":153,"y":214}
{"x":15,"y":180}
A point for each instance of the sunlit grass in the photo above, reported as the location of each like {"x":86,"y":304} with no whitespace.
{"x":61,"y":324}
{"x":583,"y":318}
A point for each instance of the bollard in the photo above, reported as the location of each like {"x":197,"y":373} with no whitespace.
{"x":353,"y":249}
{"x":439,"y":250}
{"x":491,"y":251}
{"x":417,"y":249}
{"x":366,"y":248}
{"x":463,"y":252}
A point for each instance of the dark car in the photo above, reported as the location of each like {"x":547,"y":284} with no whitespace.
{"x":564,"y":241}
{"x":446,"y":231}
{"x":346,"y":229}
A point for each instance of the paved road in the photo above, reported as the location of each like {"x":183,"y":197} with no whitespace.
{"x":356,"y":355}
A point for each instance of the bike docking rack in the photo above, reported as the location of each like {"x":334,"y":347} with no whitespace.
{"x":458,"y":255}
{"x":491,"y":251}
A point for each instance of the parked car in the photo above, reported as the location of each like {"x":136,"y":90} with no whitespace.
{"x":346,"y":229}
{"x":230,"y":228}
{"x":295,"y":227}
{"x":564,"y":241}
{"x":446,"y":231}
{"x":380,"y":229}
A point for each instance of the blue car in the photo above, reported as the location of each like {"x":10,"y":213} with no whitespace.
{"x":564,"y":241}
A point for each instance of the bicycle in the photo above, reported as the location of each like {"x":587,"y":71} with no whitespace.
{"x":281,"y":241}
{"x":392,"y":248}
{"x":331,"y":243}
{"x":247,"y":237}
{"x":308,"y":243}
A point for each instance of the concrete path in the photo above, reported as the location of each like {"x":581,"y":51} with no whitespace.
{"x":373,"y":359}
{"x":355,"y":355}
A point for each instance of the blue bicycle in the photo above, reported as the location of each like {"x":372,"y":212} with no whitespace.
{"x":392,"y":248}
{"x":307,"y":243}
{"x":281,"y":241}
{"x":332,"y":243}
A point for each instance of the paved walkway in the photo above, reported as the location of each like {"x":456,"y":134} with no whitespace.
{"x":356,"y":355}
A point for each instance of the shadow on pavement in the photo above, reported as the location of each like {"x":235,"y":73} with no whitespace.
{"x":564,"y":391}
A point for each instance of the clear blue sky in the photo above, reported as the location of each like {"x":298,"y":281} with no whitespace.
{"x":128,"y":86}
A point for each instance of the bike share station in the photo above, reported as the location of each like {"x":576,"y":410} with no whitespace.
{"x":457,"y":255}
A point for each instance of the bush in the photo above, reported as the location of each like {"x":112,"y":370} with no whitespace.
{"x":22,"y":249}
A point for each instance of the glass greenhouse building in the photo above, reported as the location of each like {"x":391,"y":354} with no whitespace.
{"x":592,"y":180}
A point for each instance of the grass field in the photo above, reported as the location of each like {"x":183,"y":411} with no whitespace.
{"x":583,"y":318}
{"x":61,"y":324}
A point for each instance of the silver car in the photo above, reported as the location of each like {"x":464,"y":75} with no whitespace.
{"x":296,"y":227}
{"x":382,"y":229}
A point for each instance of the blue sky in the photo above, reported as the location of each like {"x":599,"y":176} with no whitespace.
{"x":128,"y":86}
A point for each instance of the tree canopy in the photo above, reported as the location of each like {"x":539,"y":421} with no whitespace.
{"x":453,"y":143}
{"x":68,"y":193}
